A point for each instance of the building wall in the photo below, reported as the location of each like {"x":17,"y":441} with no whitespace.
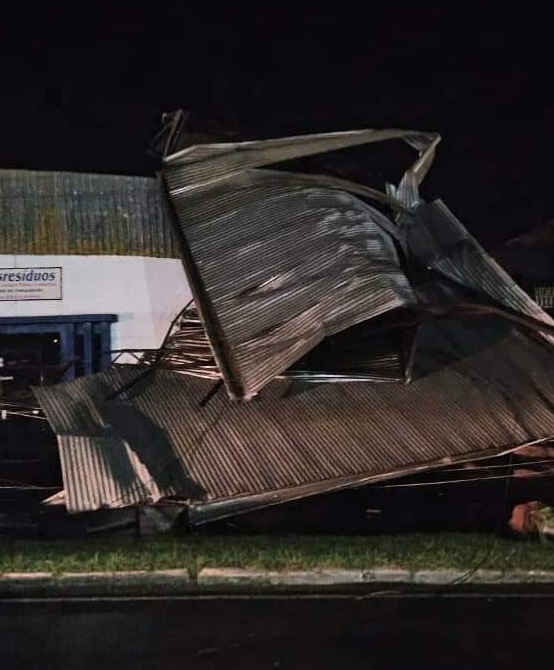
{"x":144,"y":293}
{"x":83,"y":214}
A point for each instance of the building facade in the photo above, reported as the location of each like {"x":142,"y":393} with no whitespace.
{"x":88,"y":265}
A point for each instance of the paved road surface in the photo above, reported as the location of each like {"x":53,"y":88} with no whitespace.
{"x":279,"y":632}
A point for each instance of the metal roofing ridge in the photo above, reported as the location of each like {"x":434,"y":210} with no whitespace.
{"x":423,"y":142}
{"x":385,"y":134}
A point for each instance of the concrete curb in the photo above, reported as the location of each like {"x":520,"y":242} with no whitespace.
{"x":237,"y":577}
{"x":175,"y":582}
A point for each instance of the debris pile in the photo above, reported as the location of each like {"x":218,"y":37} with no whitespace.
{"x":340,"y":335}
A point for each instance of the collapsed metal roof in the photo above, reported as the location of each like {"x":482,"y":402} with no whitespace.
{"x":279,"y":261}
{"x":299,"y":281}
{"x":476,"y":392}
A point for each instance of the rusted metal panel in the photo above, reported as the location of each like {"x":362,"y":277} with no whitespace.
{"x":475,"y":391}
{"x":82,"y":214}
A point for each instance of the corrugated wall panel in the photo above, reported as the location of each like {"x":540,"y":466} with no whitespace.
{"x":83,"y":214}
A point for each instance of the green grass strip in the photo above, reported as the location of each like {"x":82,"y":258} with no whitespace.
{"x":294,"y":552}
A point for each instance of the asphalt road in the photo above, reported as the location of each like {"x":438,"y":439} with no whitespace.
{"x":345,"y":631}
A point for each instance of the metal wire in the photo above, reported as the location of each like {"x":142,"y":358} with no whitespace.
{"x":544,"y":475}
{"x":495,"y":467}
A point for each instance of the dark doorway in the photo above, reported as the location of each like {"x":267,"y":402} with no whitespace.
{"x":26,"y":360}
{"x":29,"y":463}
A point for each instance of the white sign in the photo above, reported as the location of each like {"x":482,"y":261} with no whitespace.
{"x":30,"y":283}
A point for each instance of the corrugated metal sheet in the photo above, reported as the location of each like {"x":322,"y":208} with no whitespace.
{"x":69,"y":213}
{"x":344,"y":271}
{"x":480,"y":386}
{"x":209,"y":164}
{"x":439,"y":241}
{"x":329,"y":258}
{"x":377,"y":351}
{"x":329,"y":262}
{"x":185,"y":348}
{"x":280,"y":262}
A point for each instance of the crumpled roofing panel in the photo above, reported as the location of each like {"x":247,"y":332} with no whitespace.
{"x":440,"y":242}
{"x":327,"y":265}
{"x":208,"y":164}
{"x":278,"y":261}
{"x":476,"y":392}
{"x":375,"y":351}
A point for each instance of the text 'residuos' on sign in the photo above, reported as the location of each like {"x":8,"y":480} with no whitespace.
{"x":30,"y":283}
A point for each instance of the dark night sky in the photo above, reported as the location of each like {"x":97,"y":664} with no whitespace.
{"x":84,"y":89}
